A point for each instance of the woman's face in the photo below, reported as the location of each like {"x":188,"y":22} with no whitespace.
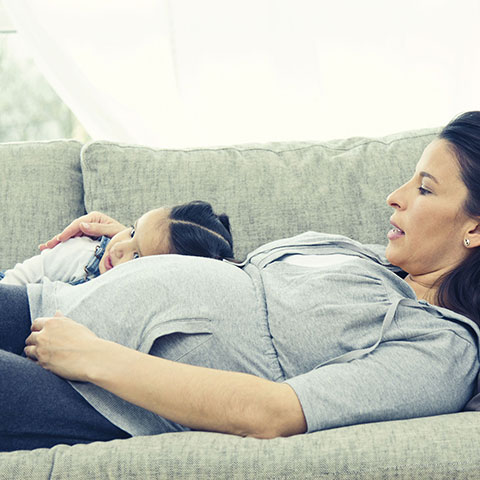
{"x":429,"y":221}
{"x":149,"y":236}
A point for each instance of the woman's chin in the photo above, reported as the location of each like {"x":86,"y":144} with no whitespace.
{"x":391,"y":257}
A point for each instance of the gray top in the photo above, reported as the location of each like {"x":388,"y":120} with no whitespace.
{"x":351,"y":338}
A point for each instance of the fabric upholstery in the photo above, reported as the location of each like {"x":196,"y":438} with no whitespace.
{"x":433,"y":448}
{"x":41,"y":190}
{"x":269,"y":191}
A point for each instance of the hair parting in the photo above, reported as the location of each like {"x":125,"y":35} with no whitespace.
{"x":195,"y":229}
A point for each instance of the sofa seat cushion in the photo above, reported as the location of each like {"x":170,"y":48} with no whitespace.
{"x":443,"y":447}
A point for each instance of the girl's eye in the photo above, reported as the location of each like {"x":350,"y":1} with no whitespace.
{"x":423,"y":190}
{"x":132,"y":234}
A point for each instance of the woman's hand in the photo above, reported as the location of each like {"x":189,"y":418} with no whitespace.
{"x":63,"y":346}
{"x":200,"y":398}
{"x":94,"y":224}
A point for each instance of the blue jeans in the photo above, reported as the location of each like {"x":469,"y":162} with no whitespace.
{"x":38,"y":408}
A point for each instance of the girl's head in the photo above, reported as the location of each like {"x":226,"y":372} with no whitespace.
{"x":437,"y":217}
{"x":196,"y":230}
{"x":189,"y":229}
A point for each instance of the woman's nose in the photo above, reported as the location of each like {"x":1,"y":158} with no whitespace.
{"x":391,"y":200}
{"x":395,"y":199}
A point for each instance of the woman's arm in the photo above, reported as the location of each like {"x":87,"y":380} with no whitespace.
{"x":94,"y":224}
{"x":197,"y":397}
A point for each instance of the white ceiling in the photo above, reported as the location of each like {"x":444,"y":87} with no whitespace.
{"x":5,"y":23}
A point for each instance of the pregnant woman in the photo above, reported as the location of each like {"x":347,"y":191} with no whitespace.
{"x":311,"y":332}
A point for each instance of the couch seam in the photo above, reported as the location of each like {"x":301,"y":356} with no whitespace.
{"x":100,"y":143}
{"x":44,"y":142}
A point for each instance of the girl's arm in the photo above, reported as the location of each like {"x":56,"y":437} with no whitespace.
{"x":63,"y":263}
{"x":197,"y":397}
{"x":30,"y":271}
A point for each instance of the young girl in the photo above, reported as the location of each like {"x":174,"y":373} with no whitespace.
{"x":189,"y":229}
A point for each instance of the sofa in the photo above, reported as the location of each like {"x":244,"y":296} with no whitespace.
{"x":270,"y":191}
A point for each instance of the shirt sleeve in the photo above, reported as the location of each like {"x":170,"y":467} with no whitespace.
{"x":427,"y":375}
{"x":30,"y":271}
{"x":64,"y":263}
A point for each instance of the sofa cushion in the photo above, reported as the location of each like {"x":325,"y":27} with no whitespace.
{"x":444,"y":447}
{"x":269,"y":191}
{"x":40,"y":187}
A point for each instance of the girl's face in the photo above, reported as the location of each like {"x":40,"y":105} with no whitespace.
{"x":149,"y":236}
{"x":429,"y":222}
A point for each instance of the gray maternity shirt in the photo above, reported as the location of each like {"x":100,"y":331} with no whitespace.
{"x":350,"y":338}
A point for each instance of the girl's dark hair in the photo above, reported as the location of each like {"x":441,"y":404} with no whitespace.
{"x":196,"y":230}
{"x":459,"y":289}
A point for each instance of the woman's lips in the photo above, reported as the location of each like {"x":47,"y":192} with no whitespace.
{"x":395,"y":232}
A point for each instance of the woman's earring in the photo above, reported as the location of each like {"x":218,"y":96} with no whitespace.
{"x":466,"y":242}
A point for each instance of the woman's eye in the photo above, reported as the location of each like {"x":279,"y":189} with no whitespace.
{"x":136,"y":255}
{"x":423,"y":190}
{"x":132,"y":232}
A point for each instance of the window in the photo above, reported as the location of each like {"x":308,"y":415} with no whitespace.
{"x":29,"y":107}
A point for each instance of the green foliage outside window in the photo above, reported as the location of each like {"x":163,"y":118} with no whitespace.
{"x":29,"y":108}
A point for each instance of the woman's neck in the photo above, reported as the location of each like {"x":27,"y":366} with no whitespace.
{"x":424,"y":288}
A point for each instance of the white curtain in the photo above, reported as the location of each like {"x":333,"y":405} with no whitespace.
{"x":180,"y":73}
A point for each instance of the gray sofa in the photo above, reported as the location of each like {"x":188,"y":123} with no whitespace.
{"x":270,"y":191}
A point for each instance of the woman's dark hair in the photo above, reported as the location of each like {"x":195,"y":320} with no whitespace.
{"x":196,"y":230}
{"x":459,"y":289}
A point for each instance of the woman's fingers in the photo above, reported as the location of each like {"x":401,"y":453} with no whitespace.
{"x":40,"y":337}
{"x":31,"y":339}
{"x":99,"y":229}
{"x":62,"y":346}
{"x":74,"y":229}
{"x":49,"y":244}
{"x":31,"y":343}
{"x":38,"y":324}
{"x":30,"y":352}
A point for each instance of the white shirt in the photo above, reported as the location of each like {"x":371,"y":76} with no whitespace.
{"x":65,"y":263}
{"x":316,"y":261}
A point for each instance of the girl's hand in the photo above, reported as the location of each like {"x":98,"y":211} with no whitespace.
{"x":63,"y":346}
{"x":94,"y":224}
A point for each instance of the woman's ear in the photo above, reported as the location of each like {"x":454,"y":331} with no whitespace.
{"x":472,"y":237}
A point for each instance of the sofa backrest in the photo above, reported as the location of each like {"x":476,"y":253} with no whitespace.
{"x":41,"y":188}
{"x":269,"y":191}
